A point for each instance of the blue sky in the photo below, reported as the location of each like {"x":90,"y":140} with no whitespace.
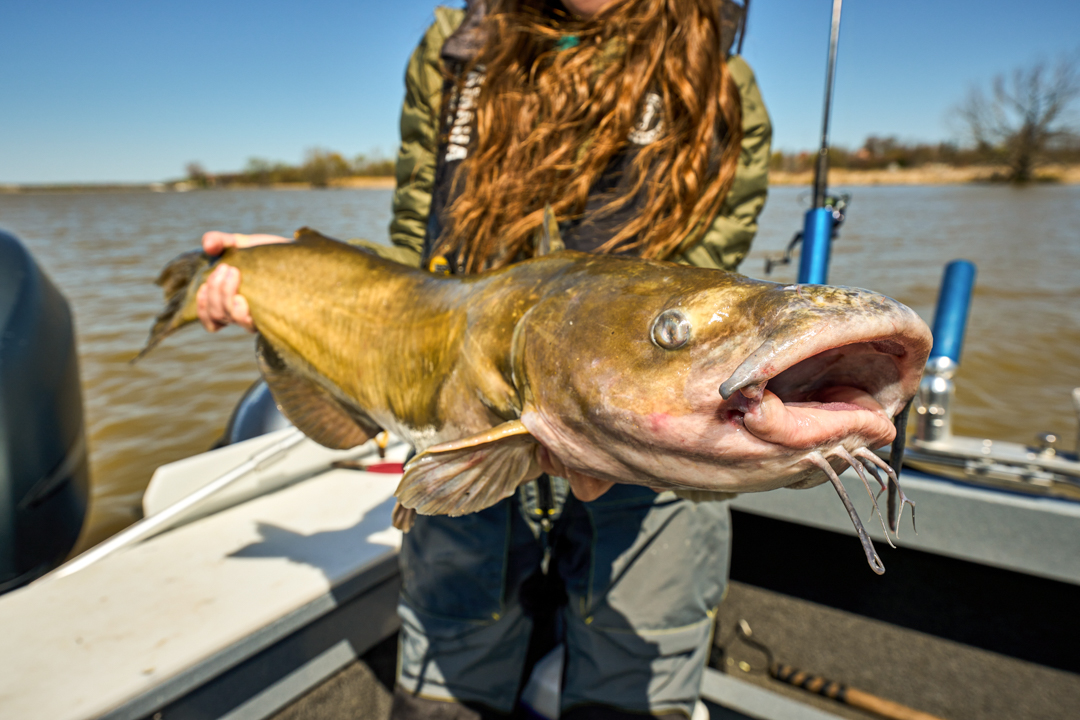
{"x":125,"y":90}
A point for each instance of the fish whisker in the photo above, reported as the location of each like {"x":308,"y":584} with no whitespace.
{"x":872,"y":457}
{"x":844,"y":455}
{"x":867,"y":544}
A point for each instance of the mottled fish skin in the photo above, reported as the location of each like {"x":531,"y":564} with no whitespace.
{"x":601,"y":392}
{"x":616,"y":369}
{"x":424,"y":356}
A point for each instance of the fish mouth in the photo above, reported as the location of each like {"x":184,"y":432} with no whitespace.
{"x":829,"y":385}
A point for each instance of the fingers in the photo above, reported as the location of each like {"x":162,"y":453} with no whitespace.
{"x":241,"y":314}
{"x":218,"y":303}
{"x":549,"y":463}
{"x":209,"y":301}
{"x":222,"y":293}
{"x":216,"y":242}
{"x":243,"y":241}
{"x":587,"y":488}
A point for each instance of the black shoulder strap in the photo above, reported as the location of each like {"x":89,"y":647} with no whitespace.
{"x":732,"y":25}
{"x":468,"y":39}
{"x":446,"y":167}
{"x":459,"y":50}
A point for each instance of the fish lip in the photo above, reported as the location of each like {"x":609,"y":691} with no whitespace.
{"x":749,"y":371}
{"x":757,"y":368}
{"x":898,"y":332}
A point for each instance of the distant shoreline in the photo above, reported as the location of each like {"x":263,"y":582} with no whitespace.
{"x":349,"y":183}
{"x":926,"y":175}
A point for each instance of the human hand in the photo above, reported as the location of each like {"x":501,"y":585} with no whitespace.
{"x":585,"y":488}
{"x":217,"y":301}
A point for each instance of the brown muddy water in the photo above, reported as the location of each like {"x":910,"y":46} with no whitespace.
{"x":103,"y":250}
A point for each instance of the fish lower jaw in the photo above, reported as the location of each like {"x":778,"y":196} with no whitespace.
{"x":840,"y":414}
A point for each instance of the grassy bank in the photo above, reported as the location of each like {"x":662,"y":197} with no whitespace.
{"x":367,"y":182}
{"x":924,"y":175}
{"x":364,"y":182}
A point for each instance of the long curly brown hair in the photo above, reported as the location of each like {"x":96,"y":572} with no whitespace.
{"x":549,"y":121}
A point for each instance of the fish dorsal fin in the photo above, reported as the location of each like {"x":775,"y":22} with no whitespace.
{"x":468,"y":475}
{"x":703,"y":495}
{"x":550,"y":239}
{"x":314,"y":238}
{"x":311,"y":407}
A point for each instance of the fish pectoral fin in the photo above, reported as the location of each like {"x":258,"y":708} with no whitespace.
{"x":403,"y":518}
{"x":468,"y":475}
{"x":311,"y":407}
{"x":703,"y":495}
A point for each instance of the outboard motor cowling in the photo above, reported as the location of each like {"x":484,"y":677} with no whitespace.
{"x":44,"y":476}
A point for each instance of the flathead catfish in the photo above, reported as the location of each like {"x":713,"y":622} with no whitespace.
{"x":602,"y":369}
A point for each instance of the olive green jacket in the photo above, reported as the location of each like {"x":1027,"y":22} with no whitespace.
{"x":723,"y":246}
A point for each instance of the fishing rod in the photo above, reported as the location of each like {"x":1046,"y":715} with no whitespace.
{"x":159,"y":522}
{"x":826,"y":212}
{"x":820,"y":223}
{"x":821,"y":168}
{"x":819,"y":685}
{"x":166,"y":519}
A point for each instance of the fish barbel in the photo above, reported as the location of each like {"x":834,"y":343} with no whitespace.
{"x":605,"y":369}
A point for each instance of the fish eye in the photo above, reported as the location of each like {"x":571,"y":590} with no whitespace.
{"x":671,"y":329}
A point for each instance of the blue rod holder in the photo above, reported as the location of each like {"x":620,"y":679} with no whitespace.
{"x":950,"y":318}
{"x":816,"y":244}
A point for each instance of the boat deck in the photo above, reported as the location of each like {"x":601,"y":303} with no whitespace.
{"x":158,"y":622}
{"x":945,"y":678}
{"x":282,"y":606}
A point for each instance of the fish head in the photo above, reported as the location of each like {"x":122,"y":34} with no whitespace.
{"x":676,"y":377}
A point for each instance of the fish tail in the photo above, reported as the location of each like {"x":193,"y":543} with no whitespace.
{"x":180,"y":281}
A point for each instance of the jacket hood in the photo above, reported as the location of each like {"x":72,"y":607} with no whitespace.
{"x":466,"y":42}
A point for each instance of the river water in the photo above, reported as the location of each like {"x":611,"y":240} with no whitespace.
{"x":1021,"y":358}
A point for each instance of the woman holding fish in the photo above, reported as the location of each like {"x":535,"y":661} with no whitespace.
{"x":630,"y":120}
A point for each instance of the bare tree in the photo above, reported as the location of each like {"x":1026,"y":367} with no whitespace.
{"x":1024,"y":114}
{"x":321,"y":166}
{"x":197,"y":174}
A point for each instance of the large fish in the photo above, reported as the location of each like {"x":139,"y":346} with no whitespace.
{"x":601,"y":369}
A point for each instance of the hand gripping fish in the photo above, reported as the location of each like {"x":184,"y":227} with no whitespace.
{"x":599,"y":368}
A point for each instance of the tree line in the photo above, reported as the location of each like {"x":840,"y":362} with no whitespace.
{"x":890,"y":153}
{"x":318,"y":169}
{"x":1023,"y":122}
{"x":879,"y":153}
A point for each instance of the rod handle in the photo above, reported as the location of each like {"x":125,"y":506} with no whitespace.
{"x":847,"y":695}
{"x":811,"y":683}
{"x":951,"y":315}
{"x":885,"y":708}
{"x":816,"y":246}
